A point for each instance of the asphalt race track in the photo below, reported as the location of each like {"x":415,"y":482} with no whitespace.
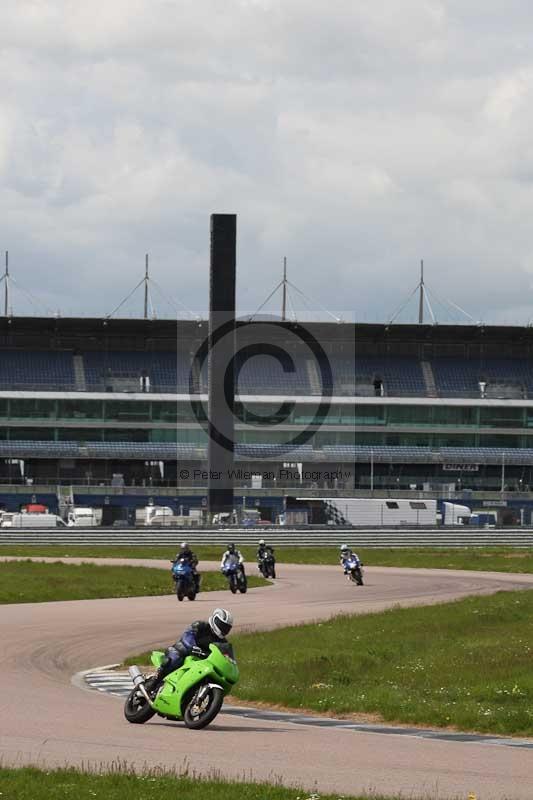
{"x":47,"y":720}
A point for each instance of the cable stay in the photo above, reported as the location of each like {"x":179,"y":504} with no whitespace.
{"x":284,"y":285}
{"x":149,"y":308}
{"x":424,"y":293}
{"x":8,"y":280}
{"x":174,"y":304}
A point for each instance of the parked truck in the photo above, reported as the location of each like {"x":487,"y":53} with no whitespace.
{"x":20,"y":520}
{"x":158,"y":515}
{"x":377,"y":512}
{"x":83,"y":517}
{"x":455,"y":514}
{"x":374,"y":512}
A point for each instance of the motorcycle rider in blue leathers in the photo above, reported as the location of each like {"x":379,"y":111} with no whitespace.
{"x":346,"y":555}
{"x":192,"y":559}
{"x":195,"y":640}
{"x":232,"y":556}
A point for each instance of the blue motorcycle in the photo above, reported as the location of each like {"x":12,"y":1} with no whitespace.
{"x":236,"y":578}
{"x":184,"y":578}
{"x":353,"y":568}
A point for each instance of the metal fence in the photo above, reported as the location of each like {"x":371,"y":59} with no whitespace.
{"x":324,"y":537}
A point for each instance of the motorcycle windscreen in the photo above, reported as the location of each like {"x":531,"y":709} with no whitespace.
{"x":157,"y":658}
{"x":226,"y":649}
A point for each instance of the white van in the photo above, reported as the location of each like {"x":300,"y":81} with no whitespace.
{"x":82,"y":517}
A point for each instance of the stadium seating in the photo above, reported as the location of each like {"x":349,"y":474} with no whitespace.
{"x":303,"y":453}
{"x":400,"y":377}
{"x":263,"y":374}
{"x":343,"y":371}
{"x":460,"y":377}
{"x":47,"y":369}
{"x":169,"y":372}
{"x":443,"y":455}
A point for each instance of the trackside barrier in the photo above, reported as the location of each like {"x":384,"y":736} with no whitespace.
{"x":510,"y":537}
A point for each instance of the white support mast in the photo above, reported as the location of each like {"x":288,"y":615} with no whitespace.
{"x":6,"y":287}
{"x":421,"y":299}
{"x":146,"y":279}
{"x":284,"y":301}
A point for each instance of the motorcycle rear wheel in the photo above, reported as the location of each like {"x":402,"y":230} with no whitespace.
{"x":136,"y":709}
{"x":197,"y":716}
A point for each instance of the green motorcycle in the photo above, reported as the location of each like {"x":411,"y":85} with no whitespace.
{"x":193,"y":693}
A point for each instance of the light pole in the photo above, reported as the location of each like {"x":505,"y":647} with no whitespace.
{"x":372,"y":472}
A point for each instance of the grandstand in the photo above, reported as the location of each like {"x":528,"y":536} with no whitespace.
{"x":117,"y":409}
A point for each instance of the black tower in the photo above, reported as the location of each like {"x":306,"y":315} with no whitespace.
{"x":221,"y":353}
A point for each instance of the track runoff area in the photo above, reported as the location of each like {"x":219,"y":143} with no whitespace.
{"x":52,"y":651}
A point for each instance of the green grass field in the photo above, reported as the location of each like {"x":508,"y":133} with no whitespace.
{"x":29,"y":783}
{"x":34,"y":582}
{"x":465,"y":664}
{"x":500,"y":559}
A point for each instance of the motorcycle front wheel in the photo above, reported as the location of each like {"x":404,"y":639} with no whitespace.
{"x":199,"y":713}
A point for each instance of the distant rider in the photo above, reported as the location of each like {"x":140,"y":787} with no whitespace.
{"x":264,"y":551}
{"x":195,"y":640}
{"x":232,"y":556}
{"x":346,"y":555}
{"x":191,"y":558}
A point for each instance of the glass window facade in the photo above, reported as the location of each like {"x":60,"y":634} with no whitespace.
{"x":145,"y":420}
{"x":22,"y":408}
{"x":125,"y":411}
{"x":502,"y":417}
{"x":369,"y":415}
{"x":455,"y":415}
{"x":166,"y":412}
{"x":80,"y":409}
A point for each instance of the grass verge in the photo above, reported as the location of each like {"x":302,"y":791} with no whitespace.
{"x":29,"y":783}
{"x":34,"y":582}
{"x":465,"y":664}
{"x":498,"y":559}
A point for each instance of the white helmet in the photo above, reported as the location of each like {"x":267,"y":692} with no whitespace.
{"x":221,"y":622}
{"x":261,"y":541}
{"x":184,"y":545}
{"x":344,"y":547}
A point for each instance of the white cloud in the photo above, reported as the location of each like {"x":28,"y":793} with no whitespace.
{"x":354,"y":138}
{"x":508,"y":97}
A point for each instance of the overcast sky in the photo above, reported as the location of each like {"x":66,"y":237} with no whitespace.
{"x":353,"y":137}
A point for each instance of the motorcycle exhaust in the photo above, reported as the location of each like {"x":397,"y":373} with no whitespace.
{"x":138,"y":681}
{"x":136,"y":675}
